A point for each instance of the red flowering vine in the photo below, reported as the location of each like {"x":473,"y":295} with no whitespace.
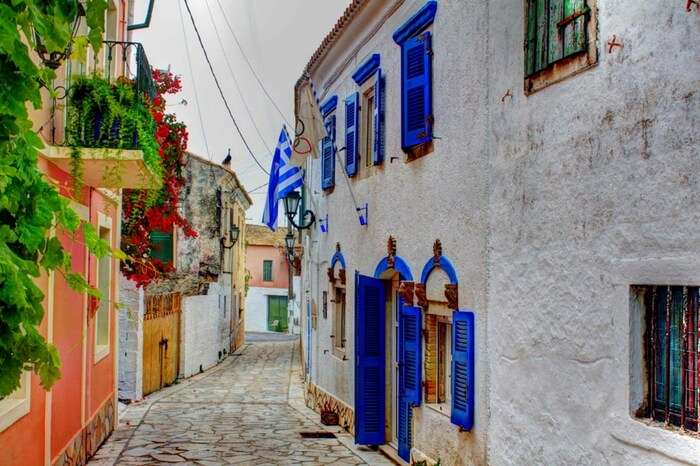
{"x":146,"y":211}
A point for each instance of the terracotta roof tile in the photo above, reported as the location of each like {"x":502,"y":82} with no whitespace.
{"x":260,"y":235}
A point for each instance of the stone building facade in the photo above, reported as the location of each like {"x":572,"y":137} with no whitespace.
{"x":209,"y":275}
{"x":542,"y":190}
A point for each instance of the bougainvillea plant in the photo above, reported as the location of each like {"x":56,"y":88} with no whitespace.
{"x":30,"y":207}
{"x":145,"y":212}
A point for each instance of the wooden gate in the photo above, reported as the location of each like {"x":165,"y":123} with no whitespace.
{"x":161,"y":341}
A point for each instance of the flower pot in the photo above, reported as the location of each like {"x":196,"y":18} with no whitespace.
{"x":330,"y":418}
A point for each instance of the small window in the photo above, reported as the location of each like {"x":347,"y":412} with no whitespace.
{"x":339,"y":337}
{"x":560,"y":40}
{"x":416,"y":94}
{"x":671,"y":354}
{"x":267,"y":271}
{"x":104,"y":285}
{"x":17,"y":404}
{"x":162,"y":247}
{"x":328,"y":155}
{"x":438,"y":356}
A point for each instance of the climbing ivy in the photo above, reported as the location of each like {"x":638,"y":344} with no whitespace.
{"x":30,"y":207}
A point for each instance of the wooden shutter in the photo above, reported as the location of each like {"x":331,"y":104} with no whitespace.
{"x":328,"y":155}
{"x":566,"y":28}
{"x":416,"y":108}
{"x":410,"y":350}
{"x":162,"y":246}
{"x":463,"y":369}
{"x":378,"y":148}
{"x":404,"y":431}
{"x":369,"y":360}
{"x":536,"y":56}
{"x":352,"y":119}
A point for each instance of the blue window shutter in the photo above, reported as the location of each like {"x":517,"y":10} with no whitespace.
{"x":328,"y":155}
{"x":352,"y":112}
{"x":378,"y":149}
{"x":463,"y":369}
{"x":416,"y":91}
{"x":369,"y":360}
{"x":405,"y":434}
{"x":410,"y":326}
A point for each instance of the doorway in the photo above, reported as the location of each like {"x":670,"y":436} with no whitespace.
{"x":277,"y":313}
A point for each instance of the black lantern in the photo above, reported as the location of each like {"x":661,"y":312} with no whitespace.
{"x":233,"y":237}
{"x":291,"y":205}
{"x":289,"y":242}
{"x":54,"y":59}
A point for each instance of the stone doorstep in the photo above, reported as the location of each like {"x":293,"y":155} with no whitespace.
{"x":393,"y":455}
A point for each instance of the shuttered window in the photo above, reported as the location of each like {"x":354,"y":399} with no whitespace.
{"x":328,"y":155}
{"x":556,"y":29}
{"x":162,"y":246}
{"x":410,"y":374}
{"x":267,"y":271}
{"x":377,"y":119}
{"x":352,"y":112}
{"x":672,"y":354}
{"x":416,"y":91}
{"x":462,"y":409}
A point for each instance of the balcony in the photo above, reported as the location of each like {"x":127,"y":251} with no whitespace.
{"x":106,"y":123}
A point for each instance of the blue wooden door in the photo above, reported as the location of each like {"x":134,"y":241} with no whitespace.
{"x":410,"y":373}
{"x":369,"y":360}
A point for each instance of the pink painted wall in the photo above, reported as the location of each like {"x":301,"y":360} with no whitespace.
{"x":255,"y":255}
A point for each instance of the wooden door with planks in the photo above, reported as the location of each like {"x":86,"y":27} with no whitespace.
{"x":161,"y":341}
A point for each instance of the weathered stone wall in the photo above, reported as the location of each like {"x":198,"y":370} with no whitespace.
{"x":130,"y":340}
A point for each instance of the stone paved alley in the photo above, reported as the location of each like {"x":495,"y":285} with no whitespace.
{"x":249,"y":410}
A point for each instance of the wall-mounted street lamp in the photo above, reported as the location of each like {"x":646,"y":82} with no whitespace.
{"x":54,"y":59}
{"x":233,"y":237}
{"x":291,"y":205}
{"x":289,"y":242}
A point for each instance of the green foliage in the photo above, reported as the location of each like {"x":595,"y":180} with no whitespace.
{"x":30,"y":207}
{"x":104,"y":114}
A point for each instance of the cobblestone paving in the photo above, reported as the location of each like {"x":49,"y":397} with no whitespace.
{"x":238,"y":413}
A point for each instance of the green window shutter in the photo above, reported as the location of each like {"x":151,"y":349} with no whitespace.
{"x":574,"y":32}
{"x":162,"y":246}
{"x":267,"y":271}
{"x":536,"y":55}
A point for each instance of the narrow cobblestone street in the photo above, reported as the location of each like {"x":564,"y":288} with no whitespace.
{"x":247,"y":411}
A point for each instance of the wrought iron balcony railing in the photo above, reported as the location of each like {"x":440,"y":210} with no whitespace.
{"x":134,"y":65}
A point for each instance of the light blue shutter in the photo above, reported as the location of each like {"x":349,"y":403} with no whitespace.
{"x":378,"y":149}
{"x":462,"y":413}
{"x":369,"y":360}
{"x":328,"y":155}
{"x":416,"y":91}
{"x":352,"y":112}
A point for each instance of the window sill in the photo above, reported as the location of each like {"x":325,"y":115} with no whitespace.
{"x":101,"y":352}
{"x":416,"y":152}
{"x":440,"y":408}
{"x":339,"y":353}
{"x":12,"y":410}
{"x":651,"y":436}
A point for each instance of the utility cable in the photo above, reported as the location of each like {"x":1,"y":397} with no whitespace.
{"x":194,"y":84}
{"x":250,"y":65}
{"x":235,"y":81}
{"x":221,"y":92}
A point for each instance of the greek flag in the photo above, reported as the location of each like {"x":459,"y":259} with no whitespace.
{"x":284,"y":178}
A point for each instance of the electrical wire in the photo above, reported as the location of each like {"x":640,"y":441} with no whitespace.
{"x":194,"y":83}
{"x":221,"y":92}
{"x":235,"y":80}
{"x":250,"y":65}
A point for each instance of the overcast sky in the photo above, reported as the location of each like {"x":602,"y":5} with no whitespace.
{"x":278,"y":37}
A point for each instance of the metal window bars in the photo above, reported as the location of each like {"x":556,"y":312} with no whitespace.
{"x":672,"y":354}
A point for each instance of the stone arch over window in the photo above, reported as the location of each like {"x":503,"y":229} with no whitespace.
{"x":445,"y":269}
{"x":337,"y":258}
{"x":393,"y":261}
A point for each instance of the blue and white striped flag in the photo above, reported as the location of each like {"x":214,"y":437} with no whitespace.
{"x":284,"y":178}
